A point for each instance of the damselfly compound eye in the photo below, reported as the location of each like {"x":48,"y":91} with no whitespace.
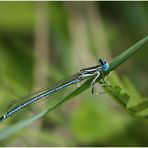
{"x":104,"y":65}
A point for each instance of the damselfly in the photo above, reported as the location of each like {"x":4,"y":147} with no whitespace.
{"x":95,"y":71}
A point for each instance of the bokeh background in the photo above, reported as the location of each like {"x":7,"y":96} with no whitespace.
{"x":43,"y":41}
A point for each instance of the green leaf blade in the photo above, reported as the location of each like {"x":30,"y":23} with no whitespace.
{"x":116,"y":62}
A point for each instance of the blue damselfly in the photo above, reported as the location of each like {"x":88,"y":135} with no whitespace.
{"x":95,"y":71}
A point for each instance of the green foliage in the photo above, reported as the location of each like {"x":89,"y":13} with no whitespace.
{"x":126,"y":94}
{"x":127,"y":53}
{"x":100,"y":125}
{"x":24,"y":18}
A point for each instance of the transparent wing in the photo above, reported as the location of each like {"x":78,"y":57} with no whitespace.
{"x":41,"y":104}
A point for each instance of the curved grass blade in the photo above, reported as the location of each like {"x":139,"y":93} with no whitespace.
{"x":113,"y":65}
{"x":17,"y":126}
{"x":117,"y":61}
{"x":21,"y":124}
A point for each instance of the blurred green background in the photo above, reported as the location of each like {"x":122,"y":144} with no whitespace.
{"x":42,"y":41}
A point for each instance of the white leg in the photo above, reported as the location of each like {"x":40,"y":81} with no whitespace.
{"x":95,"y":79}
{"x":94,"y":82}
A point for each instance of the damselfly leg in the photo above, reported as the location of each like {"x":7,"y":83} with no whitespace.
{"x":93,"y":83}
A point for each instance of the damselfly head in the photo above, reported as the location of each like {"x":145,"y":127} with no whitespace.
{"x":104,"y":65}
